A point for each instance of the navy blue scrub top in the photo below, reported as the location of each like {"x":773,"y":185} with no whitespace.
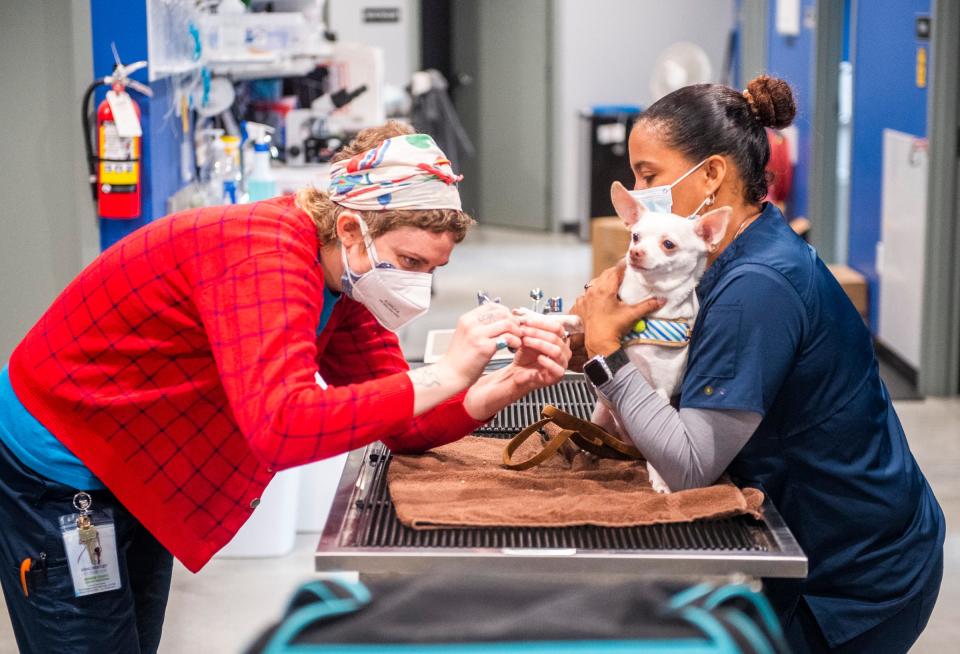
{"x":777,"y":335}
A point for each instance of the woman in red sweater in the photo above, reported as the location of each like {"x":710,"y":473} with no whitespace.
{"x":190,"y":362}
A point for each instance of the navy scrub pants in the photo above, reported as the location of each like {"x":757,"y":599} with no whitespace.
{"x":895,"y":635}
{"x":51,"y":620}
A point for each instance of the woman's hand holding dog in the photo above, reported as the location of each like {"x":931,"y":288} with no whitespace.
{"x":606,"y":318}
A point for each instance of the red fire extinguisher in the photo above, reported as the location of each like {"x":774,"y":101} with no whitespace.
{"x":115,"y":165}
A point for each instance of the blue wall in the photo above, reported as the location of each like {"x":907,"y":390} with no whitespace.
{"x":791,"y":58}
{"x":125,"y":23}
{"x":885,"y":95}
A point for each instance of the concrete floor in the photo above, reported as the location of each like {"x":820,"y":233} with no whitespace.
{"x":222,"y":608}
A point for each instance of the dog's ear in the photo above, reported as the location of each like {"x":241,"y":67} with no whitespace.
{"x":712,"y":226}
{"x":628,"y":208}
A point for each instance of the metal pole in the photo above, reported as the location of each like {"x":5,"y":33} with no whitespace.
{"x":823,"y":169}
{"x":753,"y":39}
{"x":940,"y":333}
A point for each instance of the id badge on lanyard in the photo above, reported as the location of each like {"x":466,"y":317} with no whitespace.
{"x":90,"y":541}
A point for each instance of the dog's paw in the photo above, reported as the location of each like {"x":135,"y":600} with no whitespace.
{"x":656,"y":481}
{"x":603,"y":418}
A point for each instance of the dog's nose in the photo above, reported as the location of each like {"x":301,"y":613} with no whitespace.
{"x":637,"y":254}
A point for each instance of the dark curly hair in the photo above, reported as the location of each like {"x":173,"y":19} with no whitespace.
{"x":707,"y":119}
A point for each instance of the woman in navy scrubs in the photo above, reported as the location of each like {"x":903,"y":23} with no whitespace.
{"x":781,"y":389}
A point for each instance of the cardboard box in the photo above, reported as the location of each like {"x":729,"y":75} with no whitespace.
{"x":610,"y":239}
{"x":854,"y":285}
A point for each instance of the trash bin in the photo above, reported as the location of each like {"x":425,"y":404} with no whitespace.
{"x":605,"y":130}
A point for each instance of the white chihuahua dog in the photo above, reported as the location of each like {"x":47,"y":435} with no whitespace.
{"x":666,"y":258}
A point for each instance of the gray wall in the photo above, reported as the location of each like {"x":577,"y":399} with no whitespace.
{"x":604,"y":53}
{"x":400,"y":42}
{"x":530,"y":81}
{"x":47,"y":224}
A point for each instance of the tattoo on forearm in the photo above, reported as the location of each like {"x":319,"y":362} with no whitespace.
{"x":425,"y":377}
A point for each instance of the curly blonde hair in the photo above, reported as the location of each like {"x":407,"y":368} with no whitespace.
{"x":324,"y":211}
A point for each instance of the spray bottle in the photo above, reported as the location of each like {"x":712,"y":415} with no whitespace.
{"x":261,"y":183}
{"x":210,"y":154}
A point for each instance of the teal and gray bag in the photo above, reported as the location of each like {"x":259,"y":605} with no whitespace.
{"x":451,"y":614}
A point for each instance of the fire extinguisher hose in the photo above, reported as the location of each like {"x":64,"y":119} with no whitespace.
{"x":88,"y":134}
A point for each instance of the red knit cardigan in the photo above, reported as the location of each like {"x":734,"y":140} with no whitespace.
{"x":180,"y":367}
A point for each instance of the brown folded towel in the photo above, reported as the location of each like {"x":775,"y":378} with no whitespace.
{"x":463,"y":485}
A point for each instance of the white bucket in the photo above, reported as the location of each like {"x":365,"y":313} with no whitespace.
{"x":318,"y":485}
{"x":271,"y":529}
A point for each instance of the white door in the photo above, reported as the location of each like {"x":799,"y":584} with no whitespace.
{"x":504,"y":46}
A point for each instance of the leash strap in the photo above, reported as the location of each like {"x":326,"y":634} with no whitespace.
{"x":550,"y":447}
{"x":586,"y":435}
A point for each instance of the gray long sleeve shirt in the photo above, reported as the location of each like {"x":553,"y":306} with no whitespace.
{"x":690,"y":448}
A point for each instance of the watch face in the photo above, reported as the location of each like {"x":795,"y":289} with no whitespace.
{"x":595,"y":371}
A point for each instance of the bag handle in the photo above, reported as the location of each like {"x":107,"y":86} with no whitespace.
{"x":314,"y":603}
{"x":734,"y":607}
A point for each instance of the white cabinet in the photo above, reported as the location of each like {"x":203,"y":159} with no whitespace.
{"x":902,"y":248}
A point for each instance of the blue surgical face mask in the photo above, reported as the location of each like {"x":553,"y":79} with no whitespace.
{"x":659,"y":199}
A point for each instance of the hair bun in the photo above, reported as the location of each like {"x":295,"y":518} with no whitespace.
{"x":771,"y":101}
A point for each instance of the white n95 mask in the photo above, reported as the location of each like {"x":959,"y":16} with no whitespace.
{"x":394,"y":297}
{"x":659,"y":199}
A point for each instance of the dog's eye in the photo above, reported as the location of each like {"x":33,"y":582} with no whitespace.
{"x":669,"y":244}
{"x":636,"y":238}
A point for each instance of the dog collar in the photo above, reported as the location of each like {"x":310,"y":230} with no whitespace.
{"x":659,"y":331}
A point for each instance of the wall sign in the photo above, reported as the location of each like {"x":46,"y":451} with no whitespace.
{"x":921,"y":67}
{"x":381,"y":14}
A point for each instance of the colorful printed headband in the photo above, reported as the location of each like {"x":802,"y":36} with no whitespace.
{"x":404,"y":172}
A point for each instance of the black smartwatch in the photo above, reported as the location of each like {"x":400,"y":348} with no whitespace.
{"x":601,"y":369}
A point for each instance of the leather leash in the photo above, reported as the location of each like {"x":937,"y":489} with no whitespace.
{"x":586,"y":435}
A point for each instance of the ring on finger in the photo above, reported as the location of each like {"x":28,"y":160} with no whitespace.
{"x":586,"y":286}
{"x":501,"y":343}
{"x":566,"y":335}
